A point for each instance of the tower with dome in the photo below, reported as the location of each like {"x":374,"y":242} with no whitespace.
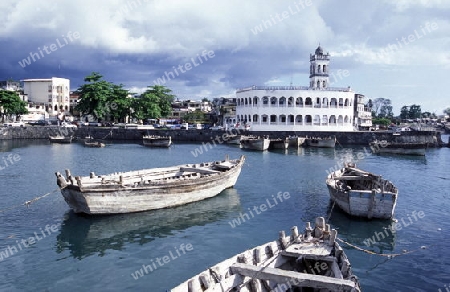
{"x":316,"y":107}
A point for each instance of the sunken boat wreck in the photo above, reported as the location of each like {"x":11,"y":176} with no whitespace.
{"x":312,"y":261}
{"x":148,"y":189}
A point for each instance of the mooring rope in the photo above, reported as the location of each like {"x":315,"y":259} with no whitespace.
{"x":392,"y":255}
{"x":28,"y":203}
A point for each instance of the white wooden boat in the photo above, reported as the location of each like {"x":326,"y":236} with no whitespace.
{"x":362,"y":194}
{"x":255,"y":143}
{"x":328,"y":142}
{"x":279,"y":143}
{"x":148,"y":189}
{"x":60,"y":139}
{"x":403,"y":148}
{"x":296,"y":141}
{"x":157,"y":141}
{"x":312,"y":261}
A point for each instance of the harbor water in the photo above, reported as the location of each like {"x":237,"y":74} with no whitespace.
{"x":46,"y":247}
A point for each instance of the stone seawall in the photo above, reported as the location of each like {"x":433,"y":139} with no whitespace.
{"x":433,"y":138}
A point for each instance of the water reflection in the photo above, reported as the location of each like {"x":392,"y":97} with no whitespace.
{"x":86,"y":235}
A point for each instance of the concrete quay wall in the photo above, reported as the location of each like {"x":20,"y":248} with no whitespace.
{"x":433,"y":138}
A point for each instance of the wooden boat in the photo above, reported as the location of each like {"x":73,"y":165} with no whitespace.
{"x":296,"y":141}
{"x":255,"y":143}
{"x":362,"y":194}
{"x":148,"y":189}
{"x":279,"y":143}
{"x":312,"y":261}
{"x":328,"y":142}
{"x":234,"y":139}
{"x":60,"y":139}
{"x":404,"y":148}
{"x":94,"y":144}
{"x":157,"y":141}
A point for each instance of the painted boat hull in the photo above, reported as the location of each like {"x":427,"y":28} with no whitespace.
{"x":377,"y":201}
{"x":112,"y":194}
{"x":286,"y":262}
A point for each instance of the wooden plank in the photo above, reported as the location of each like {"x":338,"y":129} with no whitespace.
{"x":199,"y":170}
{"x":294,"y":278}
{"x":353,"y":178}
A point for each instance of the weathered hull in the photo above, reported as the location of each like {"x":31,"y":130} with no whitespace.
{"x":377,"y":201}
{"x":279,"y":144}
{"x":112,"y":198}
{"x":157,"y":142}
{"x":321,"y":143}
{"x":291,"y":261}
{"x":234,"y":140}
{"x":259,"y":144}
{"x":399,"y":148}
{"x":296,"y":141}
{"x":94,"y":144}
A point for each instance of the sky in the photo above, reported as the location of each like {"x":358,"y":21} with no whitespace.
{"x":398,"y":50}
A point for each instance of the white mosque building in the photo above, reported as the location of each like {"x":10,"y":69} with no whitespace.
{"x":316,"y":107}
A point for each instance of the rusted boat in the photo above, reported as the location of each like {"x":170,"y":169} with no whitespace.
{"x":362,"y":194}
{"x":148,"y":189}
{"x":312,"y":261}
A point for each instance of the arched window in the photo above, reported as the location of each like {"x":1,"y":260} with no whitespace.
{"x":255,"y":100}
{"x":324,"y":120}
{"x":318,"y":84}
{"x":255,"y":118}
{"x":333,"y":102}
{"x":324,"y":84}
{"x":265,"y":101}
{"x":308,"y":102}
{"x":340,"y":120}
{"x":299,"y":119}
{"x":308,"y":119}
{"x":291,"y":101}
{"x":346,"y":102}
{"x":317,"y":120}
{"x":273,"y":119}
{"x":282,"y":101}
{"x":318,"y":68}
{"x":291,"y":119}
{"x":273,"y":101}
{"x":324,"y":102}
{"x":264,"y":119}
{"x":332,"y":120}
{"x":325,"y":68}
{"x":282,"y":119}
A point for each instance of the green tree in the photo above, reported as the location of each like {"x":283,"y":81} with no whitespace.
{"x":404,"y":112}
{"x":102,"y":99}
{"x":11,"y":104}
{"x":196,"y":116}
{"x":154,"y":103}
{"x":447,"y":111}
{"x":414,"y":111}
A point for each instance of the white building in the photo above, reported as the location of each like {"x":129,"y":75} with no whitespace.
{"x":51,"y":95}
{"x":316,"y":107}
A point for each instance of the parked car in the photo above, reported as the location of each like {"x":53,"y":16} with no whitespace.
{"x":39,"y":123}
{"x":216,"y":128}
{"x":14,"y":124}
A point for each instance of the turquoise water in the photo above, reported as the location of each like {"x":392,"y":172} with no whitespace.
{"x":102,"y":253}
